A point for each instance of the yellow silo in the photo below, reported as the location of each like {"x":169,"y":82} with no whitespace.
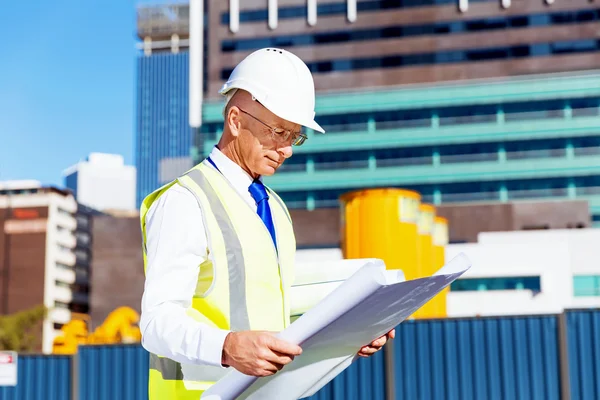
{"x":425,"y":251}
{"x":381,"y":223}
{"x":440,"y":240}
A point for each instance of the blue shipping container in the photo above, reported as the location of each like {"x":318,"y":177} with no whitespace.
{"x":113,"y":372}
{"x":489,"y":358}
{"x":40,"y":377}
{"x":364,"y":379}
{"x":583,"y":341}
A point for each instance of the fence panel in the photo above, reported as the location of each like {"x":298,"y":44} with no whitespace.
{"x":488,"y":358}
{"x":583,"y":343}
{"x":113,"y":372}
{"x":40,"y":377}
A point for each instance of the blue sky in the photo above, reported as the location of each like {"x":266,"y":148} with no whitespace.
{"x":67,"y":84}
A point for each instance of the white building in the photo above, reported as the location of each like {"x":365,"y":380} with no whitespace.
{"x":527,"y":272}
{"x":103,"y":182}
{"x":45,"y":252}
{"x":515,"y":273}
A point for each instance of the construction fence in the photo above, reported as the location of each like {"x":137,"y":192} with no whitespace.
{"x":522,"y":357}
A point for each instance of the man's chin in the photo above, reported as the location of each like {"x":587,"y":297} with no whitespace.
{"x":268,"y":171}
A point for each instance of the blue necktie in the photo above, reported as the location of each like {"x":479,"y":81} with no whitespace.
{"x":259,"y":194}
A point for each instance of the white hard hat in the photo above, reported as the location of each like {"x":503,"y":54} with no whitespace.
{"x":280,"y":81}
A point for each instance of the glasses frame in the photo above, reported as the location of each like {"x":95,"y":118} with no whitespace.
{"x":298,"y":138}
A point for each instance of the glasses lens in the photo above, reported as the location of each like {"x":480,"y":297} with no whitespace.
{"x":299,"y":140}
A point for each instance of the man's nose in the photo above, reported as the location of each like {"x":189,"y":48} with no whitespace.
{"x":286,"y":150}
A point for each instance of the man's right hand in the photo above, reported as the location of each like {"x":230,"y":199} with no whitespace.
{"x":257,"y":353}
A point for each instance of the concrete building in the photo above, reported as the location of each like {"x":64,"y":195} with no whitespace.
{"x":103,"y":182}
{"x":462,"y":101}
{"x":118,"y":278}
{"x":44,"y":254}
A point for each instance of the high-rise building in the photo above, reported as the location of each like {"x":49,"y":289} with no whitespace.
{"x":45,"y":254}
{"x":461,"y":100}
{"x":102,"y":182}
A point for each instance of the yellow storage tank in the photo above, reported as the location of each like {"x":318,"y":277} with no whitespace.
{"x":381,"y":223}
{"x":425,"y":251}
{"x":440,"y":241}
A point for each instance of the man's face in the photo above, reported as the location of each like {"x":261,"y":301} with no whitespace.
{"x":264,"y":142}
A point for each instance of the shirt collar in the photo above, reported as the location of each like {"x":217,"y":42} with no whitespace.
{"x":230,"y":170}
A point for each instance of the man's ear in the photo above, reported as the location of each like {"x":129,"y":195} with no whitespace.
{"x":233,"y":120}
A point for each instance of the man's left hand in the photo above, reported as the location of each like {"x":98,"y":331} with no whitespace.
{"x":376,"y":345}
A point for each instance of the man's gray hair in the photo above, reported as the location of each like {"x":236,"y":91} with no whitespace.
{"x":228,"y":98}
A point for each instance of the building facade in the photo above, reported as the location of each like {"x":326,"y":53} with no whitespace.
{"x":103,"y":182}
{"x":118,"y":278}
{"x":462,"y":101}
{"x":45,"y":254}
{"x":531,"y":137}
{"x":541,"y":272}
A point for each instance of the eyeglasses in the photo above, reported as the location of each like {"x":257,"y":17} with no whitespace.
{"x":282,"y":135}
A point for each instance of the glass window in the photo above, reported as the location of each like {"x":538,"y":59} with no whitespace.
{"x":344,"y":122}
{"x":593,"y":141}
{"x":403,"y":157}
{"x":71,"y":182}
{"x":586,"y":285}
{"x":529,"y":145}
{"x":478,"y":148}
{"x":340,"y":156}
{"x":574,"y":46}
{"x":468,"y":114}
{"x":487,"y":24}
{"x":64,"y":212}
{"x":82,"y":221}
{"x":382,"y":154}
{"x":397,"y":119}
{"x":62,"y":284}
{"x":60,"y":304}
{"x":534,"y":110}
{"x":83,"y":239}
{"x":500,"y":283}
{"x":82,"y":256}
{"x":536,"y":184}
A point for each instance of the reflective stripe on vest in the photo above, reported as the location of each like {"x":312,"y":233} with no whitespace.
{"x":169,"y":369}
{"x":238,"y":309}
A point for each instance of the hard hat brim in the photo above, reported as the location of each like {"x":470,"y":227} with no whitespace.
{"x":314,"y":126}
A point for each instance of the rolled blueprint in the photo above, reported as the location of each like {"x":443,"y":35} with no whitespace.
{"x":366,"y":306}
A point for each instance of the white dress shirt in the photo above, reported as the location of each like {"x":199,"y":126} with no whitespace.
{"x":176,"y":246}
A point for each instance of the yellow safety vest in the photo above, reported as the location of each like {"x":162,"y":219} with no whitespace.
{"x":244,"y":283}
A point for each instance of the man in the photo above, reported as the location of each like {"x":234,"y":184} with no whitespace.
{"x":219,"y":246}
